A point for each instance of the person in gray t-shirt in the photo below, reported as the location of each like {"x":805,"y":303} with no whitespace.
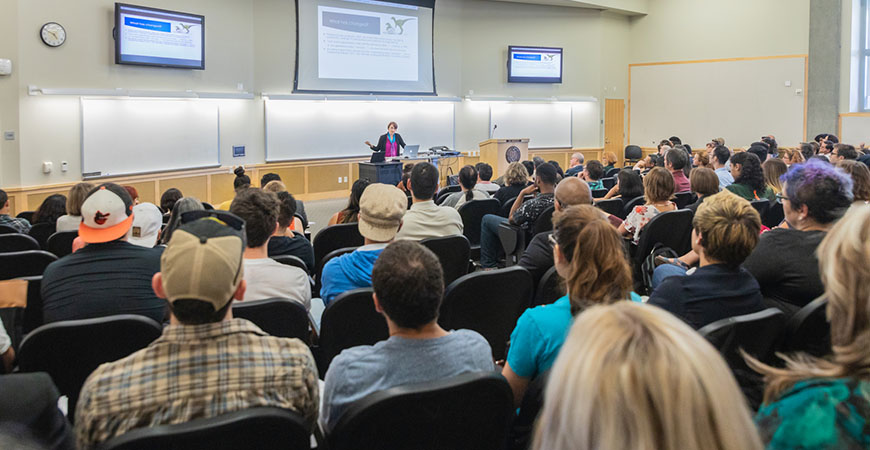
{"x":408,"y":287}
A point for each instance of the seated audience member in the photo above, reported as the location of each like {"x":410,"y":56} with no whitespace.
{"x":350,"y":214}
{"x":843,"y":152}
{"x":285,"y":241}
{"x":530,"y":169}
{"x":860,"y":180}
{"x":823,"y":402}
{"x":147,"y":220}
{"x":792,"y":156}
{"x":592,"y":174}
{"x":425,"y":219}
{"x":240,"y":183}
{"x":628,"y":185}
{"x":206,"y":363}
{"x":773,"y":147}
{"x":467,"y":182}
{"x":634,"y":377}
{"x":267,"y":177}
{"x":515,"y":180}
{"x":300,"y":206}
{"x":719,"y":160}
{"x":408,"y":288}
{"x":759,"y":149}
{"x":589,"y":256}
{"x":826,"y":148}
{"x":865,"y":159}
{"x":265,"y":277}
{"x":702,"y":160}
{"x":168,"y":199}
{"x":484,"y":175}
{"x":815,"y":195}
{"x":7,"y":353}
{"x":704,"y":183}
{"x":74,"y":200}
{"x":658,"y":188}
{"x":559,"y":172}
{"x":523,"y":214}
{"x":808,"y":150}
{"x":725,"y":231}
{"x":609,"y":161}
{"x":675,"y":162}
{"x":538,"y":256}
{"x":28,"y":406}
{"x":276,"y":187}
{"x":406,"y":175}
{"x":773,"y":169}
{"x":134,"y":194}
{"x":22,"y":225}
{"x":575,"y":166}
{"x":109,"y":275}
{"x":664,"y":146}
{"x":381,"y":208}
{"x":749,"y":178}
{"x":182,"y":206}
{"x":51,"y":209}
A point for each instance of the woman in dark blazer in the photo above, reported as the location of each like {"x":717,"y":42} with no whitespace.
{"x":389,"y":143}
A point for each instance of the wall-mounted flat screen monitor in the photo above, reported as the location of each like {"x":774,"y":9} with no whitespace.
{"x":534,"y":64}
{"x":157,"y":37}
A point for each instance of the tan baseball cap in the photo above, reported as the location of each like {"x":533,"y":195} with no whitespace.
{"x":203,"y":261}
{"x":381,"y":208}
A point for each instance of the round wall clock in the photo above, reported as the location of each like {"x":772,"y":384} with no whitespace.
{"x":52,"y":34}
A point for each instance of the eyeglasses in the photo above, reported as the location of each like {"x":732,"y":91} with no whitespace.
{"x":780,"y":198}
{"x":552,"y":239}
{"x":226,"y":218}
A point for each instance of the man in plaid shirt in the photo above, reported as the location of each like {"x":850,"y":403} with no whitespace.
{"x":206,"y":363}
{"x":22,"y":225}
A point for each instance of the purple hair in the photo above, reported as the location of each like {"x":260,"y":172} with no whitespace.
{"x":825,"y":189}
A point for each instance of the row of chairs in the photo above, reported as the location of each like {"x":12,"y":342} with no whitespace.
{"x":59,"y":243}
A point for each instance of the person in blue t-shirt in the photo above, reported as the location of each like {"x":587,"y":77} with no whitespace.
{"x":588,"y":253}
{"x":381,"y":208}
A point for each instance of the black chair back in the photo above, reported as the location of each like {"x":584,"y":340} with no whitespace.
{"x":28,"y":263}
{"x":17,"y":242}
{"x":318,"y":281}
{"x":472,"y":214}
{"x":758,"y":334}
{"x":550,"y":288}
{"x":293,"y":261}
{"x":629,"y":207}
{"x":488,"y":302}
{"x":683,"y":199}
{"x":33,"y":310}
{"x":611,"y":206}
{"x":774,"y":216}
{"x":263,"y":428}
{"x":70,"y":350}
{"x":348,"y":321}
{"x":609,"y":181}
{"x":524,"y":424}
{"x":60,"y":243}
{"x":611,"y":173}
{"x":469,"y":411}
{"x":453,"y":253}
{"x":279,"y":317}
{"x":544,"y":222}
{"x":26,"y":215}
{"x":335,"y":237}
{"x":6,"y":229}
{"x":506,"y":207}
{"x":599,"y":193}
{"x":809,"y":330}
{"x":445,"y":192}
{"x":672,"y":229}
{"x":762,"y":206}
{"x":633,"y":154}
{"x":41,"y":232}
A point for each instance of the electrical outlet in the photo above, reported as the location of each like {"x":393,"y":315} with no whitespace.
{"x":798,"y":92}
{"x":9,"y":135}
{"x":64,"y":166}
{"x":345,"y":179}
{"x":339,"y":179}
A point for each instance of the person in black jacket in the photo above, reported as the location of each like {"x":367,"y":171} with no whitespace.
{"x":28,"y":401}
{"x":390,"y":142}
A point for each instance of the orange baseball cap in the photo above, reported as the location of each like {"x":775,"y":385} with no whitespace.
{"x":107,"y":214}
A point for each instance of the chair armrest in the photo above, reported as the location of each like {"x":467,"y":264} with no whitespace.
{"x":510,"y":237}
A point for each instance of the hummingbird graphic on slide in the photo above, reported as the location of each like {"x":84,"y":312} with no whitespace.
{"x":398,"y":26}
{"x":183,"y":28}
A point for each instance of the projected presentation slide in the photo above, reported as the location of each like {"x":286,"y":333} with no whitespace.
{"x":155,"y":37}
{"x":534,"y":65}
{"x":365,"y":46}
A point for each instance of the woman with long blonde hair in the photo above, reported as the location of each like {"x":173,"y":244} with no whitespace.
{"x":825,"y":402}
{"x":588,"y":254}
{"x":632,"y":376}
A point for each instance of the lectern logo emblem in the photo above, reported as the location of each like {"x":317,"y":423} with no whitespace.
{"x":512,"y":154}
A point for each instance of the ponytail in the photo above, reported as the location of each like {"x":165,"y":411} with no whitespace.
{"x":469,"y":194}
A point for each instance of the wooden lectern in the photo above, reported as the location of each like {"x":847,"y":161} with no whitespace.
{"x":499,"y":153}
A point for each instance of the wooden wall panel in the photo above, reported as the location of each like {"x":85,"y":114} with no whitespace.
{"x":12,"y":209}
{"x":34,"y":200}
{"x":222,"y":188}
{"x":146,"y":191}
{"x":292,"y":177}
{"x":189,"y":186}
{"x":325,"y":178}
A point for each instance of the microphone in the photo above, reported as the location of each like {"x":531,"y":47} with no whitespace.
{"x":493,"y":130}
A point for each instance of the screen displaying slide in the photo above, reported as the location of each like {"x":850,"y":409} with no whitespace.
{"x":365,"y":46}
{"x":534,"y":65}
{"x":156,"y":37}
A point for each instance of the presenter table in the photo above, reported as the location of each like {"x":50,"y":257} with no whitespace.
{"x":384,"y":172}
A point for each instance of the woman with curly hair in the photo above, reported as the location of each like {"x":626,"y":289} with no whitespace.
{"x":749,"y":178}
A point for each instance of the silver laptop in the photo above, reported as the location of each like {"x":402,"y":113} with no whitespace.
{"x":410,"y":151}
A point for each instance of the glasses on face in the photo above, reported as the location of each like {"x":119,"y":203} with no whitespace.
{"x":226,"y":218}
{"x":780,"y":198}
{"x":552,"y":240}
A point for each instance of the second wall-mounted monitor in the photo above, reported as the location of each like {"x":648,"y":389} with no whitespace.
{"x":157,"y":37}
{"x":534,"y":64}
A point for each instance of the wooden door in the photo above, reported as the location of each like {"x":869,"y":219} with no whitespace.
{"x":614,"y":127}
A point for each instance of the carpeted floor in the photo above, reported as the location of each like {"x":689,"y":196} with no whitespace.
{"x":320,"y":211}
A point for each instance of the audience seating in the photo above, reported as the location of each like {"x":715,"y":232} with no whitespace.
{"x":335,"y":237}
{"x":472,"y":214}
{"x":762,"y":206}
{"x":279,"y":317}
{"x":17,"y":242}
{"x":774,"y":216}
{"x":348,"y":321}
{"x":33,"y":311}
{"x":611,"y":206}
{"x":318,"y":281}
{"x":6,"y":229}
{"x":514,"y":240}
{"x":489,"y":302}
{"x":683,"y":199}
{"x":524,"y":424}
{"x":630,"y":205}
{"x":292,"y":260}
{"x":633,"y":154}
{"x":26,"y":215}
{"x":453,"y":253}
{"x":599,"y":193}
{"x":759,"y":335}
{"x":609,"y":181}
{"x":671,"y":229}
{"x":41,"y":232}
{"x":262,"y":428}
{"x":505,"y":210}
{"x":70,"y":350}
{"x":60,"y":243}
{"x":809,"y":330}
{"x":445,"y":192}
{"x":550,"y":288}
{"x":469,"y":411}
{"x":612,"y":173}
{"x":28,"y":263}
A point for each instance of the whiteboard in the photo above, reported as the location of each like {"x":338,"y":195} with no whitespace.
{"x":124,"y":136}
{"x":314,"y":129}
{"x":545,"y":124}
{"x":855,"y":129}
{"x":739,"y":100}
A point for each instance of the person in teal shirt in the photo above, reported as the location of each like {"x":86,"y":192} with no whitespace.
{"x":587,"y":251}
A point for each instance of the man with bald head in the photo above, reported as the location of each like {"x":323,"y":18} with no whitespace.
{"x":538,"y":257}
